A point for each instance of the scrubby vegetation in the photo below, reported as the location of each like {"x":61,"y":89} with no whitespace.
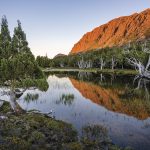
{"x":39,"y":131}
{"x":34,"y":131}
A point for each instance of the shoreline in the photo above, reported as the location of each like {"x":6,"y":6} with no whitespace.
{"x":37,"y":131}
{"x":92,"y":70}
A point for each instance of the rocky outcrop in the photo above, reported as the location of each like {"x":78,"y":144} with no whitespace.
{"x":117,"y":32}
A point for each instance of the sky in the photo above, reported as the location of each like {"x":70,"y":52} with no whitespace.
{"x":54,"y":26}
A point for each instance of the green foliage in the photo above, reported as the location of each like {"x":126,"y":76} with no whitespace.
{"x":95,"y":132}
{"x":39,"y":83}
{"x":43,"y":61}
{"x":28,"y":83}
{"x":19,"y":42}
{"x":119,"y":54}
{"x":17,"y":63}
{"x":5,"y":39}
{"x":35,"y":131}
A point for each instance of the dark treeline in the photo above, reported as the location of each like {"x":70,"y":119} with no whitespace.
{"x":17,"y":63}
{"x":106,"y":58}
{"x":44,"y":61}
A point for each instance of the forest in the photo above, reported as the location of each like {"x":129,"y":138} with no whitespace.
{"x":133,"y":56}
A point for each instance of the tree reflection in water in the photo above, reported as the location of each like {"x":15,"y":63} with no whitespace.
{"x":82,"y":75}
{"x":143,"y":84}
{"x":12,"y":94}
{"x":139,"y":91}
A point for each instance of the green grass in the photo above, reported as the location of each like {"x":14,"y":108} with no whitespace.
{"x":95,"y":70}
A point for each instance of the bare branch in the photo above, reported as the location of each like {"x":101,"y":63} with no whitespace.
{"x":148,"y":64}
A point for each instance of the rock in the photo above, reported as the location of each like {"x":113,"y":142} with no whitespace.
{"x":54,"y":137}
{"x":17,"y":90}
{"x":3,"y":117}
{"x":1,"y":103}
{"x":117,"y":32}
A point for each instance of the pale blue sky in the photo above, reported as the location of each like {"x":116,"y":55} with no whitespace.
{"x":54,"y":26}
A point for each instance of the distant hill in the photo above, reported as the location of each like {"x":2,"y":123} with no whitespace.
{"x":59,"y":55}
{"x":117,"y":32}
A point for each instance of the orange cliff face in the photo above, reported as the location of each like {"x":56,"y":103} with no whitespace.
{"x":117,"y":32}
{"x":109,"y":98}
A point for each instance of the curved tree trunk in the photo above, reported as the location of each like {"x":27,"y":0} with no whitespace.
{"x":13,"y":96}
{"x":142,"y":70}
{"x":14,"y":105}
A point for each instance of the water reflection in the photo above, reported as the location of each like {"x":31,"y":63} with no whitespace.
{"x":90,"y":99}
{"x":12,"y":94}
{"x":31,"y":97}
{"x":82,"y":75}
{"x":143,"y":85}
{"x":66,"y":99}
{"x":119,"y":99}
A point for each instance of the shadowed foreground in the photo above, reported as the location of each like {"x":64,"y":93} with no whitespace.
{"x":38,"y":131}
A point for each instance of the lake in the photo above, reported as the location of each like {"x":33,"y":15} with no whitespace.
{"x":117,"y":102}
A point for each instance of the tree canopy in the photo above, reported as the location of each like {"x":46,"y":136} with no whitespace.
{"x":17,"y":62}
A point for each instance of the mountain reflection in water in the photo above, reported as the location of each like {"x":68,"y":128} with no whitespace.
{"x":89,"y":98}
{"x":111,"y":99}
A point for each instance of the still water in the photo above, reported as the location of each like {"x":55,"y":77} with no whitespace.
{"x":81,"y":99}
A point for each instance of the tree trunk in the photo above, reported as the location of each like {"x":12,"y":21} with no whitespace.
{"x":14,"y":105}
{"x":102,"y":63}
{"x":142,"y":70}
{"x":113,"y":63}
